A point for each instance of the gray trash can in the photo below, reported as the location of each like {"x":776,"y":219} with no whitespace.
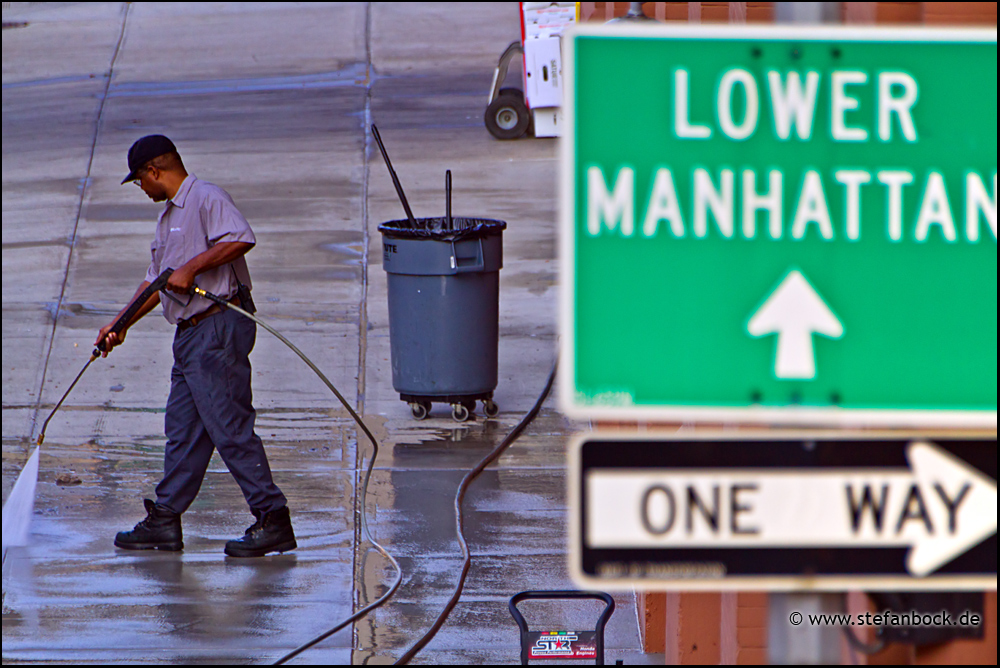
{"x":444,"y":301}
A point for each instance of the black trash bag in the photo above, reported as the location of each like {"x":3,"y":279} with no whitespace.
{"x":437,"y":228}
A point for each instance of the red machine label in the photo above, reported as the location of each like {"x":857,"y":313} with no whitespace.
{"x":563,"y":645}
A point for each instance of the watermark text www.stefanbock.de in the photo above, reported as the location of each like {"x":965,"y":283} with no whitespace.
{"x":890,"y":618}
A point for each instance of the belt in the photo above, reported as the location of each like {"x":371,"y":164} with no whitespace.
{"x":198,"y":317}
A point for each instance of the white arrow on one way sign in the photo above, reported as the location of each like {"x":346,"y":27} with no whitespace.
{"x":940,"y":508}
{"x":795,"y":311}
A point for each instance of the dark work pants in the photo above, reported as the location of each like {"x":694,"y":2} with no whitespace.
{"x":210,"y":407}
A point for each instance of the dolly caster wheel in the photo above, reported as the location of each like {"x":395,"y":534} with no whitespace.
{"x":507,"y":117}
{"x":420,"y":410}
{"x":460,"y":412}
{"x":490,"y":408}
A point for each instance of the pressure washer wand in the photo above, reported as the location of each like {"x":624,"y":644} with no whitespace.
{"x":120,"y":323}
{"x":18,"y":507}
{"x":41,"y":436}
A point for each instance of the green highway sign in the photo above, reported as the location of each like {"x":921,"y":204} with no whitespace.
{"x":780,"y":225}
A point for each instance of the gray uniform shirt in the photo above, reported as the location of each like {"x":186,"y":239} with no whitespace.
{"x":199,"y":216}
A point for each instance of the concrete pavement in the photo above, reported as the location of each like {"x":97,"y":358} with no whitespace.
{"x":271,"y":102}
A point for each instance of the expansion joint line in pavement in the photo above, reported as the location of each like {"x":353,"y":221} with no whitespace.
{"x":363,"y":307}
{"x":79,"y":213}
{"x":362,"y":531}
{"x":359,"y":500}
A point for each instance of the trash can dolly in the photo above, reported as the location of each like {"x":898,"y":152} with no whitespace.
{"x":562,"y":645}
{"x":462,"y":405}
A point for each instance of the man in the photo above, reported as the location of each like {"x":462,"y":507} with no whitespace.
{"x":203,"y":237}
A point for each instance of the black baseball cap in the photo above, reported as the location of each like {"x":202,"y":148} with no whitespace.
{"x":144,"y":150}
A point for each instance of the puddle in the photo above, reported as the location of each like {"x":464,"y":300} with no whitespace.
{"x":81,"y":309}
{"x":53,"y":80}
{"x":349,"y":253}
{"x":20,"y":245}
{"x":536,"y":282}
{"x":352,"y":75}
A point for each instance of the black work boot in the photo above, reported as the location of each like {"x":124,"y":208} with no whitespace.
{"x":272,"y":532}
{"x":161,"y":530}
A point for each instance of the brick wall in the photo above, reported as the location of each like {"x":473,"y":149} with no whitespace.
{"x":709,"y":12}
{"x":931,"y":13}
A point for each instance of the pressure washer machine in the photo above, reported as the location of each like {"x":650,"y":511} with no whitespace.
{"x":561,"y":645}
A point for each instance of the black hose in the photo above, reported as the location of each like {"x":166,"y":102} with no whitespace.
{"x":463,"y":487}
{"x":364,"y":487}
{"x":858,"y":645}
{"x":459,"y":497}
{"x":122,"y":321}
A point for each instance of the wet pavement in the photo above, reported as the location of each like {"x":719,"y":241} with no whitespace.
{"x":272,"y":103}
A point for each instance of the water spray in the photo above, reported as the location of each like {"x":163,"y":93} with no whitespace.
{"x":20,"y":504}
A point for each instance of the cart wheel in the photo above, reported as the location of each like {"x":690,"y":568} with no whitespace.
{"x":507,"y":117}
{"x":420,"y":410}
{"x":519,"y":94}
{"x":459,"y":413}
{"x":490,"y":408}
{"x":511,"y":90}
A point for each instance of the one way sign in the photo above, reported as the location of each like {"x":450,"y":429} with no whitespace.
{"x":860,"y":511}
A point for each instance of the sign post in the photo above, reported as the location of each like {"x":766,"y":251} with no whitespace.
{"x":780,"y":225}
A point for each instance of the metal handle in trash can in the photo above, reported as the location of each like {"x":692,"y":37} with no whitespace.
{"x":479,"y":265}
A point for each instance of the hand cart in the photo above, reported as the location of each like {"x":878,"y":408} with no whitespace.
{"x":537,"y":109}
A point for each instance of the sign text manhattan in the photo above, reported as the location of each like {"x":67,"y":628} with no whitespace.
{"x":783,"y":226}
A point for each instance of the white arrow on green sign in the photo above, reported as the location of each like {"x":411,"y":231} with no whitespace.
{"x":795,"y":312}
{"x":780,"y":225}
